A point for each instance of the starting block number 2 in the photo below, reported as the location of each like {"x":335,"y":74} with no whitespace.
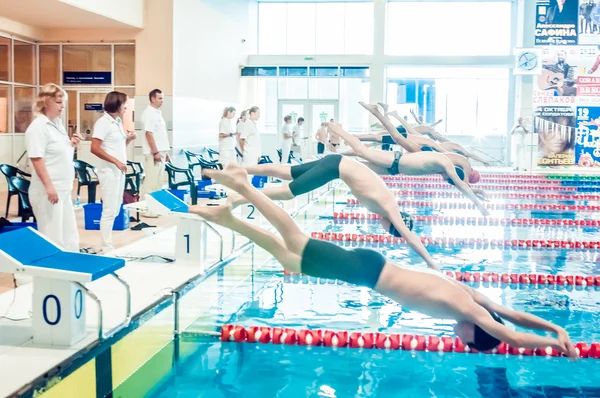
{"x":51,"y":299}
{"x":250,"y":215}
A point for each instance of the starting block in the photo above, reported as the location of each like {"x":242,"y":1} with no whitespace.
{"x":58,"y":306}
{"x":191,"y":239}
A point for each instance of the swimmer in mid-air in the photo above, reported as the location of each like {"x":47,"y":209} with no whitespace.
{"x":479,"y":319}
{"x":454,"y":168}
{"x":365,"y":185}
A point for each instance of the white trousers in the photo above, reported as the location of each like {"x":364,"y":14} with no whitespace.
{"x":155,"y":175}
{"x":286,"y":148}
{"x":112,"y":185}
{"x":56,"y":222}
{"x":226,"y":156}
{"x":250,"y":159}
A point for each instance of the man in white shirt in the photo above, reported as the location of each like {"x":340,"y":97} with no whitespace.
{"x":286,"y":144}
{"x":250,"y":143}
{"x":299,"y":138}
{"x":155,"y":145}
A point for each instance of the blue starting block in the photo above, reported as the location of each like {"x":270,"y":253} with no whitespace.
{"x":58,"y":306}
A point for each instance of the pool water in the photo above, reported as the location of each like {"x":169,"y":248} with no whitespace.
{"x":205,"y":367}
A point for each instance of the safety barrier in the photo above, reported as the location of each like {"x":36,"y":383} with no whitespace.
{"x":492,"y":195}
{"x":453,"y":220}
{"x":471,"y":243}
{"x":489,"y":206}
{"x":484,"y":179}
{"x":382,"y":341}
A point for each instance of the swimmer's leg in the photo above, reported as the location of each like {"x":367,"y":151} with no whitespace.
{"x":375,"y":156}
{"x":235,"y":177}
{"x":389,"y":126}
{"x":281,"y":171}
{"x":221,"y":215}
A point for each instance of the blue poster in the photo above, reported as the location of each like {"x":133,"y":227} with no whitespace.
{"x":587,"y":145}
{"x":87,"y":78}
{"x":556,"y":22}
{"x":94,"y":107}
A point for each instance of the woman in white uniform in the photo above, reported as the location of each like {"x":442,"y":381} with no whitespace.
{"x":250,"y":142}
{"x":286,"y":144}
{"x":109,"y":143}
{"x":227,"y":137}
{"x":519,"y":153}
{"x":51,"y":152}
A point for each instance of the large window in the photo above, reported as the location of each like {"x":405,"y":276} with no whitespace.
{"x":5,"y":62}
{"x":470,"y":101}
{"x":449,"y":28}
{"x":49,"y":64}
{"x":25,"y":62}
{"x":315,"y":28}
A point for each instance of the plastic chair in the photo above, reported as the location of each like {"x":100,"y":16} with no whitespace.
{"x":84,"y":172}
{"x":214,"y":155}
{"x":290,"y":157}
{"x":22,"y":187}
{"x":135,"y":178}
{"x":11,"y":171}
{"x":190,"y":182}
{"x":193,"y":159}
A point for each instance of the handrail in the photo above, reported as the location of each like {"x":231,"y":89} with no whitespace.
{"x":220,"y":238}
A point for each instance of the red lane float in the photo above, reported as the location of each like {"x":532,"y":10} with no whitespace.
{"x":479,"y":243}
{"x":446,"y":186}
{"x":507,"y":195}
{"x":451,"y":220}
{"x":382,"y":341}
{"x":489,"y":206}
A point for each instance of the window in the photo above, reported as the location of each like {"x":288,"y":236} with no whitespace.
{"x":293,"y":88}
{"x":24,"y":97}
{"x":323,"y":88}
{"x":4,"y":100}
{"x":25,"y":62}
{"x":87,"y":58}
{"x":449,"y":28}
{"x":125,"y":65}
{"x":471,"y":101}
{"x":352,"y":116}
{"x":49,"y":64}
{"x":315,"y":28}
{"x":5,"y":62}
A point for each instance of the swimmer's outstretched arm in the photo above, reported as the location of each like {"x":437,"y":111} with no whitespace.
{"x":526,"y":340}
{"x":462,"y":186}
{"x":414,"y":115}
{"x":454,"y":147}
{"x":396,"y":136}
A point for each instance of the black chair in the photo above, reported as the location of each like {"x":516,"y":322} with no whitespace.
{"x":22,"y":187}
{"x":193,"y":159}
{"x":265,"y":159}
{"x":84,"y":173}
{"x":135,"y":178}
{"x":280,"y":153}
{"x":11,"y":171}
{"x":190,"y":182}
{"x":214,"y":155}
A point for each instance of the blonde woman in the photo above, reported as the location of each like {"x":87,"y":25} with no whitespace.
{"x":51,"y":153}
{"x":227,"y":137}
{"x":109,"y":143}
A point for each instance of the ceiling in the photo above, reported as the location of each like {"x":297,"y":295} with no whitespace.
{"x":54,"y":14}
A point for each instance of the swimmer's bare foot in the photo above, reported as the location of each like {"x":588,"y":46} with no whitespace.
{"x":235,"y":199}
{"x":217,"y":214}
{"x":232,"y":176}
{"x":384,"y":106}
{"x":371,"y":108}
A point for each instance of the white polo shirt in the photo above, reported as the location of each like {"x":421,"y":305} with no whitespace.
{"x":252,"y":145}
{"x":298,"y":132}
{"x":228,"y":143}
{"x":153,"y":122}
{"x":49,"y":140}
{"x":114,"y":139}
{"x":286,"y":129}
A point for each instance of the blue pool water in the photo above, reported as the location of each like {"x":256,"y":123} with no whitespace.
{"x":214,"y":369}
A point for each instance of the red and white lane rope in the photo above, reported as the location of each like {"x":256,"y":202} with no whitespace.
{"x":452,"y":220}
{"x":489,"y":206}
{"x":507,"y":187}
{"x":488,"y":180}
{"x":472,"y":243}
{"x":492,"y":195}
{"x":382,"y":341}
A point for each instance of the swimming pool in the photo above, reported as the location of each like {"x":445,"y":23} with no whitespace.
{"x":202,"y":366}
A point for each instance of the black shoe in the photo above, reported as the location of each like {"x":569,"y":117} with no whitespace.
{"x":141,"y":226}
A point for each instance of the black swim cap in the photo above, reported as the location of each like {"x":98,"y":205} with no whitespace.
{"x":461,"y":174}
{"x":408,"y":220}
{"x":484,"y":341}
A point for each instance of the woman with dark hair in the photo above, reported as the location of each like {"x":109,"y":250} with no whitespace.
{"x":109,"y":143}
